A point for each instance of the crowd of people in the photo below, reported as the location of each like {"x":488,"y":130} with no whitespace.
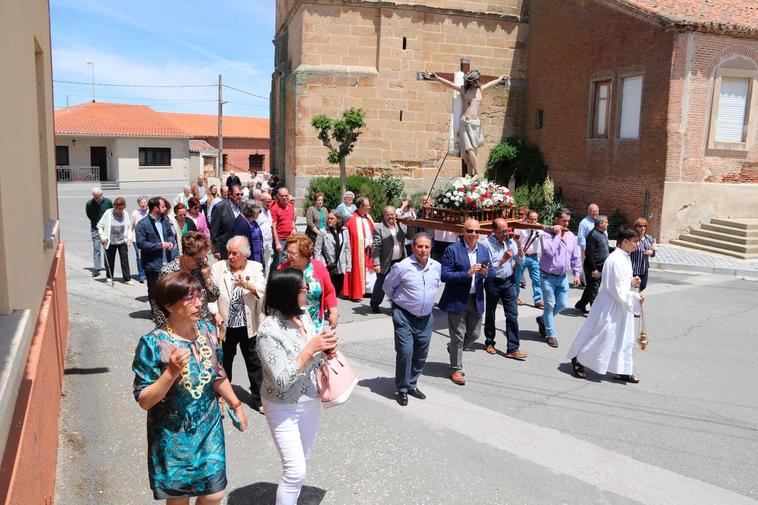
{"x":227,"y":270}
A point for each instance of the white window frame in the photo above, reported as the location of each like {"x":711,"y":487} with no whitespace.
{"x":622,"y":81}
{"x":594,"y":108}
{"x":751,"y":110}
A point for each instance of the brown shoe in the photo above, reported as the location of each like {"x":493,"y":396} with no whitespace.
{"x":552,"y":341}
{"x":520,"y":301}
{"x":491,"y":349}
{"x":519,"y":355}
{"x":539,"y":305}
{"x":458,"y":377}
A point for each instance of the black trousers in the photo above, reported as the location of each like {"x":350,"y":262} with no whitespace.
{"x":591,"y":287}
{"x":123,"y":256}
{"x":337,"y":281}
{"x":501,"y":290}
{"x":238,"y":337}
{"x":377,"y":295}
{"x":151,"y":276}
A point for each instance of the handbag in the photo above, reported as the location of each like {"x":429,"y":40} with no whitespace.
{"x":335,"y":380}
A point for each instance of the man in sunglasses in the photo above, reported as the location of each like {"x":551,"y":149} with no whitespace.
{"x":506,"y":254}
{"x":465,"y":265}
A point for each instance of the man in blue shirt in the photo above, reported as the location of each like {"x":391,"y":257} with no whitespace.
{"x":500,"y":286}
{"x":411,"y":286}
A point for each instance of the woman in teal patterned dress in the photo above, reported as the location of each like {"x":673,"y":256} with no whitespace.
{"x":177,"y":379}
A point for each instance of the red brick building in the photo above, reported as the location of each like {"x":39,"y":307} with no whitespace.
{"x":246,"y":139}
{"x":647,"y":106}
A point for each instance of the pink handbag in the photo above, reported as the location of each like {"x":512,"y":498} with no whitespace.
{"x":335,"y":380}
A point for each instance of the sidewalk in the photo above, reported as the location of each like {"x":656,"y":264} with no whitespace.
{"x":671,"y":257}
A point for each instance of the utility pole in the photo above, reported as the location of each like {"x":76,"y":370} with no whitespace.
{"x":92,"y":67}
{"x":221,"y":102}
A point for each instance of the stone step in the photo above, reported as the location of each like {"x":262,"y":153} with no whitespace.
{"x":730,"y":230}
{"x":726,"y":237}
{"x":716,"y":250}
{"x":741,"y":223}
{"x":711,"y":242}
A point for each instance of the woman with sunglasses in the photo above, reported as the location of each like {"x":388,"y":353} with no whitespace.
{"x":645,"y":250}
{"x":177,"y":379}
{"x":290,"y":351}
{"x":194,"y":261}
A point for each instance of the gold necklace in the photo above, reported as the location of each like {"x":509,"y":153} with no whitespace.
{"x":205,"y":364}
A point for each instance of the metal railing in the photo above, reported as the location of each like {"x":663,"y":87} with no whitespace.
{"x":68,"y":173}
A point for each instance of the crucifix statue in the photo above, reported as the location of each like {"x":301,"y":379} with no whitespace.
{"x":469,"y":126}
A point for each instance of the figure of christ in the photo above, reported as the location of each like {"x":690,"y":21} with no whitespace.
{"x":470,"y":135}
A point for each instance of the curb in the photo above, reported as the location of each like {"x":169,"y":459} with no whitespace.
{"x":737,"y":272}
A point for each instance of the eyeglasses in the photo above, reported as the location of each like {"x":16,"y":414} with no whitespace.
{"x":470,"y":230}
{"x":192,"y":296}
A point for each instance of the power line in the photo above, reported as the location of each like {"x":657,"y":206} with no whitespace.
{"x":246,"y":92}
{"x":142,"y":99}
{"x":139,"y":85}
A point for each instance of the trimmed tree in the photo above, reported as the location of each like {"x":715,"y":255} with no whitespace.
{"x":340,"y":136}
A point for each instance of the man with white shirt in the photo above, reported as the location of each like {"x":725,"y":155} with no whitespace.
{"x":388,"y":248}
{"x":266,"y":223}
{"x":531,"y":243}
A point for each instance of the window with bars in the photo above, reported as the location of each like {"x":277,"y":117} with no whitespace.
{"x":155,"y":156}
{"x":601,"y":108}
{"x":255,"y":162}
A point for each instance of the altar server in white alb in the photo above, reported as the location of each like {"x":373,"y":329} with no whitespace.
{"x":605,"y":342}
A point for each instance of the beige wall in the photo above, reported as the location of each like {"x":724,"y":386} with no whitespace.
{"x":348,"y":55}
{"x":123,"y":156}
{"x":27,"y":177}
{"x":688,"y":204}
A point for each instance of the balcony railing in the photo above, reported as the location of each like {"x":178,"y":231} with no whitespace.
{"x":68,"y":173}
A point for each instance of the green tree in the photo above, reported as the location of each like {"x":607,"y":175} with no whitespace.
{"x":340,"y":136}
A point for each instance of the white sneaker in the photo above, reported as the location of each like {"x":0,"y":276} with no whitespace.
{"x":130,"y":282}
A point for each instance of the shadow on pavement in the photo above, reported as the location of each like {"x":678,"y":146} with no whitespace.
{"x":591,"y":376}
{"x":141,"y":314}
{"x":382,"y":386}
{"x":531,"y":335}
{"x":436,"y":369}
{"x":265,"y":492}
{"x":142,"y":298}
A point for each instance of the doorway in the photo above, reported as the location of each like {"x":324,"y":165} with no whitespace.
{"x":98,"y":157}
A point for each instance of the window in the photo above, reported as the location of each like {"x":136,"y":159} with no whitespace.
{"x":61,"y":156}
{"x":155,"y":156}
{"x":631,"y":103}
{"x":731,"y":114}
{"x":255,"y":161}
{"x":539,"y":120}
{"x":223,"y":161}
{"x":601,"y":109}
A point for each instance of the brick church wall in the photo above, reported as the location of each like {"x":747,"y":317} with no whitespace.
{"x":340,"y":55}
{"x":570,"y":45}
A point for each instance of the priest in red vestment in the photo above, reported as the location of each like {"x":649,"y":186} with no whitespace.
{"x":360,"y":227}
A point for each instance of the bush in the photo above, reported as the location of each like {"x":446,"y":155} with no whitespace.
{"x":417,"y":200}
{"x":514,"y":157}
{"x":358,"y":184}
{"x":393,"y":187}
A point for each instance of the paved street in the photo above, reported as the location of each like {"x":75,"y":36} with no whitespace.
{"x":517,"y":433}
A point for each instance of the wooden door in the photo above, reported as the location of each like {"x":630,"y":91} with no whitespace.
{"x":98,"y":157}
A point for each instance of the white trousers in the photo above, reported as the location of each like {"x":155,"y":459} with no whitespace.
{"x":293,"y":427}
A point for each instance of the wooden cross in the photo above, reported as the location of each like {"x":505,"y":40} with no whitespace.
{"x":465,"y":68}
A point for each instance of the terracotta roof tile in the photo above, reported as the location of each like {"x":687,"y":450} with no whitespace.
{"x":99,"y":118}
{"x":197,"y":145}
{"x":729,"y":16}
{"x":205,"y":125}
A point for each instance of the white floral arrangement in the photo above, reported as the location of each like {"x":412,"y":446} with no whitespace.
{"x":466,"y":193}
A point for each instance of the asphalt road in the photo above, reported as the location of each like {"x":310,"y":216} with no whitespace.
{"x":517,"y":433}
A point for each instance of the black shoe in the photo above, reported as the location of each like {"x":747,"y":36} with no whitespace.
{"x":375,"y":310}
{"x":581,"y":308}
{"x":416,"y":393}
{"x":626,"y":378}
{"x":541,"y":327}
{"x":402,"y":399}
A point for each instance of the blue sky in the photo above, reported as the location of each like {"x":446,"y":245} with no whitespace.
{"x":165,"y":42}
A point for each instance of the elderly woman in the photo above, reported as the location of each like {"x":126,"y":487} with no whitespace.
{"x":241,"y":285}
{"x":321,"y":297}
{"x":347,"y":207}
{"x":315,"y":217}
{"x":116,"y":234}
{"x":177,"y":379}
{"x":194,"y":260}
{"x":291,"y":350}
{"x":246,"y":225}
{"x":333,"y":250}
{"x":182,"y":224}
{"x":645,"y":250}
{"x":197,"y":217}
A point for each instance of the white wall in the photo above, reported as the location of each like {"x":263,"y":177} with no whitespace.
{"x":688,"y":204}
